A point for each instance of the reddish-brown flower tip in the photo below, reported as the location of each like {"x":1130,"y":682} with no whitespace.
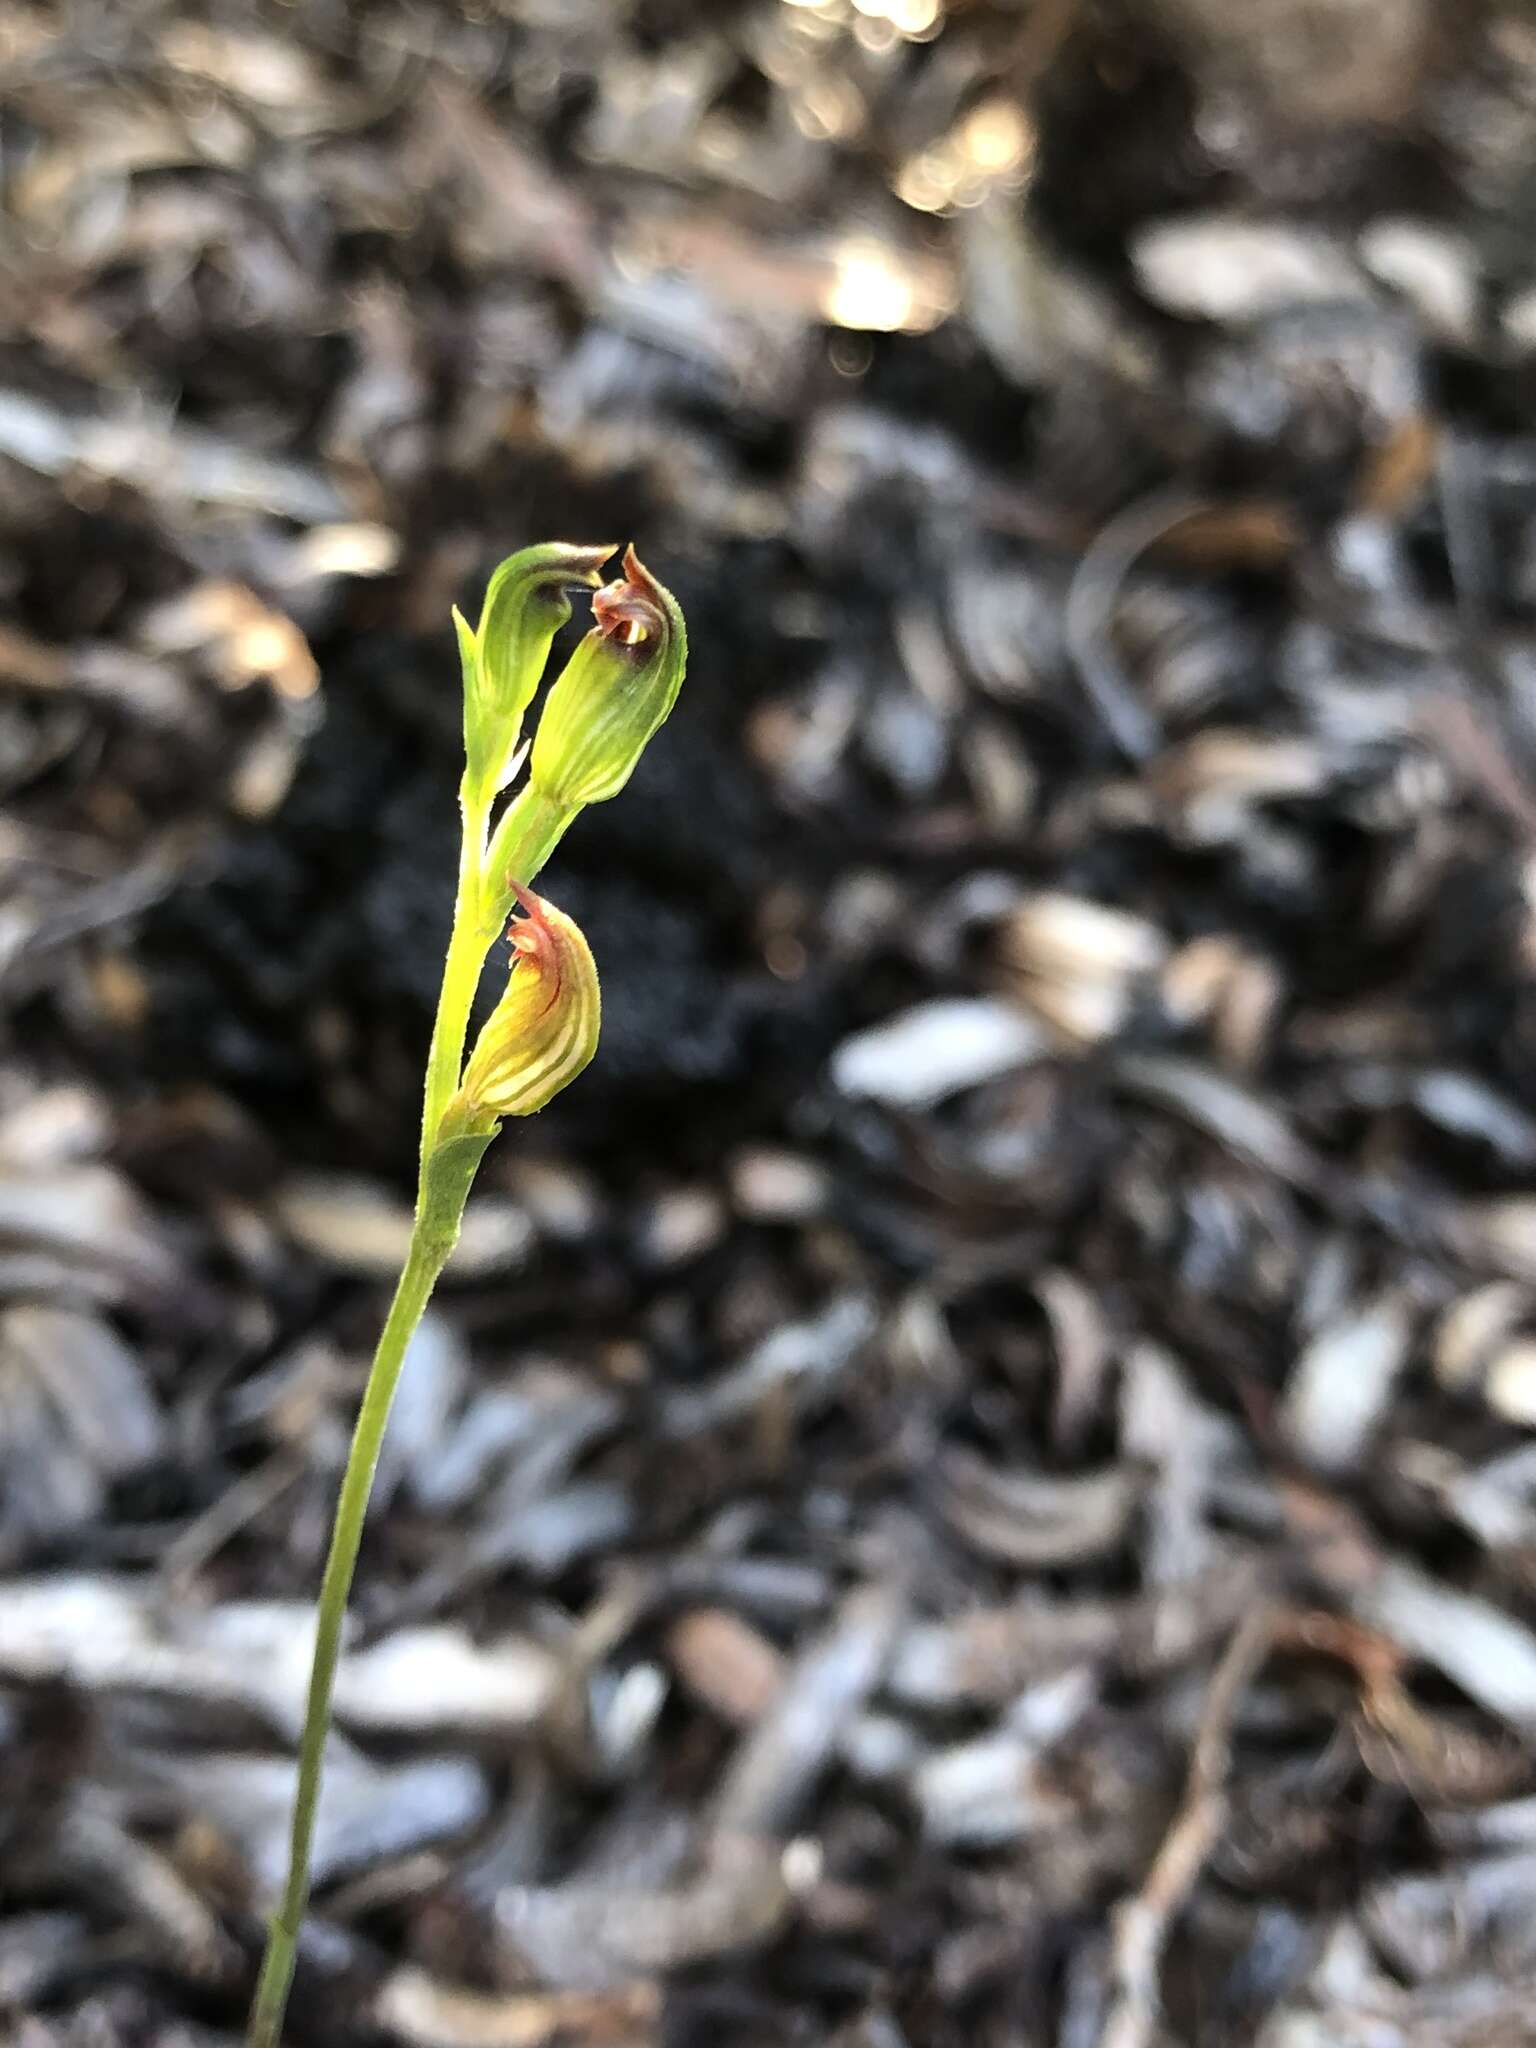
{"x":632,"y":611}
{"x":532,"y":936}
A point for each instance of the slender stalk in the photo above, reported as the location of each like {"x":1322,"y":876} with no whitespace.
{"x":429,"y":1249}
{"x":527,"y":834}
{"x":461,"y":974}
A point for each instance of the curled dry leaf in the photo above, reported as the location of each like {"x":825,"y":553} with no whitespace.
{"x":78,"y":1414}
{"x":597,"y":1937}
{"x":369,"y":1813}
{"x":779,"y":1761}
{"x":1078,"y":964}
{"x":1340,"y":1386}
{"x":1486,"y":1652}
{"x":87,"y":1227}
{"x":923,"y":1055}
{"x":1034,"y":1519}
{"x":412,"y":2007}
{"x":999,"y":1787}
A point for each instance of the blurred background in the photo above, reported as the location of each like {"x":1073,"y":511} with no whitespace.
{"x":971,"y":1482}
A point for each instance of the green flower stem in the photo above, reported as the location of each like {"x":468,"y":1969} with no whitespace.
{"x":423,"y":1264}
{"x":526,"y":836}
{"x":531,"y":827}
{"x":461,"y":973}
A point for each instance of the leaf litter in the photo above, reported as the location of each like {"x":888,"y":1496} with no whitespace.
{"x":972,"y":1482}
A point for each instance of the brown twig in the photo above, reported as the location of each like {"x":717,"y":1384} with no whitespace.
{"x":1141,"y":1922}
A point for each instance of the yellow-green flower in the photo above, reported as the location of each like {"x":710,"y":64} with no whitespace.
{"x":613,"y":693}
{"x":504,"y":656}
{"x":545,"y":1028}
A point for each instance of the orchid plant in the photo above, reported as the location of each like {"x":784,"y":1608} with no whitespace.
{"x":600,"y":713}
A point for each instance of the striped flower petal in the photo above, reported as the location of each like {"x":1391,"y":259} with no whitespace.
{"x":545,"y":1028}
